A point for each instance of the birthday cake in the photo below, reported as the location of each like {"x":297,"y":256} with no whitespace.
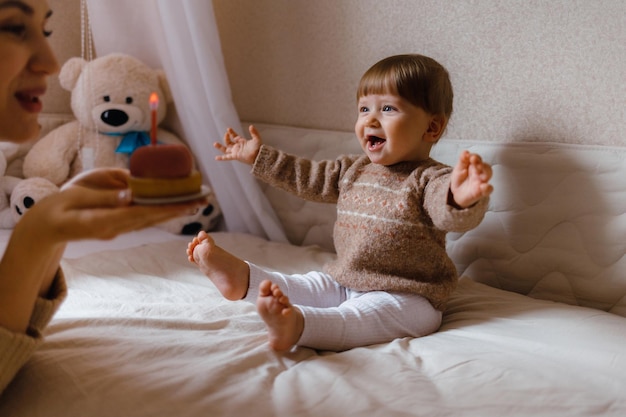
{"x":160,"y":171}
{"x":163,"y":170}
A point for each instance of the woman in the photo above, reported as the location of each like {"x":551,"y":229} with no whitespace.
{"x":95,"y":206}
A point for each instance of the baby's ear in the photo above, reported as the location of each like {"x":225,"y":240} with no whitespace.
{"x":436,"y":127}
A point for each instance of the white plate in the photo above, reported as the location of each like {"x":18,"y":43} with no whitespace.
{"x":204,"y":191}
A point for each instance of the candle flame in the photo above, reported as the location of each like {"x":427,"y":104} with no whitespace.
{"x":154,"y":101}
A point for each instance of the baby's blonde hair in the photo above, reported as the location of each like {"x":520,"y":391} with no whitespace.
{"x":418,"y":79}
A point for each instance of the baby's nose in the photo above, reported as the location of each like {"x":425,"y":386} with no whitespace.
{"x":372,"y":120}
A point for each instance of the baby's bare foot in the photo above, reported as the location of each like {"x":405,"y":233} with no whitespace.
{"x":230,"y":274}
{"x":284,"y":322}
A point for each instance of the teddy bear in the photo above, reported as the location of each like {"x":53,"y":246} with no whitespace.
{"x":7,"y":185}
{"x":110,"y":102}
{"x":17,"y":195}
{"x":24,"y":195}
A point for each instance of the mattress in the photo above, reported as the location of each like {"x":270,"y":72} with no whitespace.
{"x":144,"y":333}
{"x":536,"y":326}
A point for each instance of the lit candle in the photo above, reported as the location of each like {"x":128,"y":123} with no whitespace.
{"x":154,"y":105}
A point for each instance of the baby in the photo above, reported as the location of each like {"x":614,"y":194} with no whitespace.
{"x":395,"y":204}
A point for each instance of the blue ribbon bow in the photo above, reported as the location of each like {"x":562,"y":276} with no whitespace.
{"x":131,"y":141}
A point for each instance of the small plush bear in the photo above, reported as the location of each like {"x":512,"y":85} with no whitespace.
{"x":17,"y":195}
{"x":7,"y":185}
{"x":110,"y":101}
{"x":25,"y":193}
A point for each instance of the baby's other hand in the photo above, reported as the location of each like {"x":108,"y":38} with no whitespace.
{"x":238,"y":148}
{"x":470,"y":180}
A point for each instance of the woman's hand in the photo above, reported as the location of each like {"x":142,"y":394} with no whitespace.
{"x":94,"y":205}
{"x":237,"y":148}
{"x":470,"y":180}
{"x":97,"y":205}
{"x":101,"y":178}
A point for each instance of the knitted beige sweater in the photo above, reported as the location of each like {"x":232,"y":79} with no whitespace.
{"x":17,"y":348}
{"x":391,"y":226}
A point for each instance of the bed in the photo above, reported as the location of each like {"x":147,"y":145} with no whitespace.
{"x":536,"y":327}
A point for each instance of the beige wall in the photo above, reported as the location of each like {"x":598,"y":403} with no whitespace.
{"x":65,"y":40}
{"x":552,"y":70}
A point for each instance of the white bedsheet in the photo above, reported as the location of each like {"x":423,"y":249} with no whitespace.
{"x":144,"y":333}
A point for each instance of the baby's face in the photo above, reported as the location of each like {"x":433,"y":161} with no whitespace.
{"x":391,"y":130}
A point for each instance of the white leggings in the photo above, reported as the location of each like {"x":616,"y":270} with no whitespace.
{"x":337,"y":318}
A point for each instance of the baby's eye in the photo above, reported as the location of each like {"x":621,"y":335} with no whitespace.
{"x":388,"y":108}
{"x":363,"y":109}
{"x":47,"y":33}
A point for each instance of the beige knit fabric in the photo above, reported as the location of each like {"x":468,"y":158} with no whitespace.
{"x":17,"y":348}
{"x":391,"y":221}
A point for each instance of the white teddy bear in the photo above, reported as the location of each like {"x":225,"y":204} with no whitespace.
{"x":17,"y":195}
{"x":7,"y":185}
{"x":110,"y":100}
{"x":24,"y":195}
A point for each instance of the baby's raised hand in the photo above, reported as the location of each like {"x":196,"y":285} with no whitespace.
{"x":238,"y":148}
{"x":470,"y":180}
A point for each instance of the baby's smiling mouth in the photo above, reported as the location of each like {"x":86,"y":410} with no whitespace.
{"x":375,"y":142}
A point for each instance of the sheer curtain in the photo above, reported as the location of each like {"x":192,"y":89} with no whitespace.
{"x":181,"y":37}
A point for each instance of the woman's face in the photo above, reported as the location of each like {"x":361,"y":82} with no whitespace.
{"x":26,"y":60}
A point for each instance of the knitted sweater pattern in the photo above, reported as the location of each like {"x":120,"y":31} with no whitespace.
{"x":17,"y":348}
{"x":390,"y":232}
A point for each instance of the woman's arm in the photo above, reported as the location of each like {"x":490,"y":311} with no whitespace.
{"x":27,"y":270}
{"x":96,"y":205}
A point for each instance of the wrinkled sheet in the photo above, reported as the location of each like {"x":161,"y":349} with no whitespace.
{"x":144,"y":333}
